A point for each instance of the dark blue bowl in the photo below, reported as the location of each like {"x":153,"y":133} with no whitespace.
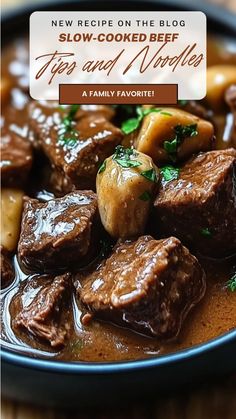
{"x":71,"y":384}
{"x":68,"y":384}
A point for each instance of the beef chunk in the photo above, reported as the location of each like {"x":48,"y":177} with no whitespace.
{"x":78,"y":153}
{"x":16,"y":159}
{"x":200,"y":206}
{"x":57,"y":233}
{"x":40,"y":306}
{"x":148,"y":285}
{"x":7,"y":271}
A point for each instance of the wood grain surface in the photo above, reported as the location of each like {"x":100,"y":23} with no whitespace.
{"x":210,"y":401}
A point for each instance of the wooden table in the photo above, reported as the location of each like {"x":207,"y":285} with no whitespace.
{"x":216,"y":401}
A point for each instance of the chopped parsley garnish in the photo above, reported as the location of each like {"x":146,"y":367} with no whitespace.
{"x":146,"y":196}
{"x":181,"y":132}
{"x":150,"y":175}
{"x":124,"y":157}
{"x":171,"y":146}
{"x":170,"y":173}
{"x":132,"y":124}
{"x":231,"y":283}
{"x":205,"y":232}
{"x":68,"y":136}
{"x":102,"y":167}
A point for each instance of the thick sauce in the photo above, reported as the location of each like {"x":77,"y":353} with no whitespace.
{"x":100,"y":341}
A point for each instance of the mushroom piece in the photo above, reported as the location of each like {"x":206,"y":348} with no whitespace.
{"x":173,"y":134}
{"x":126,"y":182}
{"x":11,"y":209}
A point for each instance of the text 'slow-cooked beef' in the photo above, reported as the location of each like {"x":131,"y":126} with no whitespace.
{"x":57,"y":233}
{"x":76,"y":152}
{"x":200,"y":206}
{"x":16,"y":159}
{"x":41,"y":308}
{"x":148,"y":285}
{"x":7,"y":271}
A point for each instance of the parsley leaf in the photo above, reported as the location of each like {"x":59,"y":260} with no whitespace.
{"x":171,"y":146}
{"x":146,"y":196}
{"x":170,"y":173}
{"x":68,"y":136}
{"x":128,"y":163}
{"x":181,"y":132}
{"x":73,"y":111}
{"x":132,"y":124}
{"x":231,"y":284}
{"x":67,"y":141}
{"x":205,"y":232}
{"x":150,"y":175}
{"x":125,"y":157}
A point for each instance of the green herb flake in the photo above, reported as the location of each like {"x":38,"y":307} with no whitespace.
{"x":181,"y":132}
{"x":102,"y":167}
{"x":150,"y":175}
{"x":69,"y":142}
{"x":171,"y":146}
{"x":125,"y":157}
{"x":170,"y":173}
{"x":132,"y":124}
{"x":231,"y":284}
{"x":67,"y":130}
{"x":205,"y":232}
{"x":128,"y":163}
{"x":146,"y":196}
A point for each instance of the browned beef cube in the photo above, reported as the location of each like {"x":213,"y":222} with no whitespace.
{"x":7,"y":271}
{"x":57,"y":233}
{"x":16,"y":159}
{"x":41,"y":307}
{"x":78,"y":153}
{"x":200,"y":206}
{"x":147,"y":285}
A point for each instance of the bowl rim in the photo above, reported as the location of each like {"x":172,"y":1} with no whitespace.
{"x":75,"y":367}
{"x":225,"y":18}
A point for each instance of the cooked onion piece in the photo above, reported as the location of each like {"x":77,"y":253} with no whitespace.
{"x":11,"y":209}
{"x":219,"y":77}
{"x":125,"y":185}
{"x":173,"y":134}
